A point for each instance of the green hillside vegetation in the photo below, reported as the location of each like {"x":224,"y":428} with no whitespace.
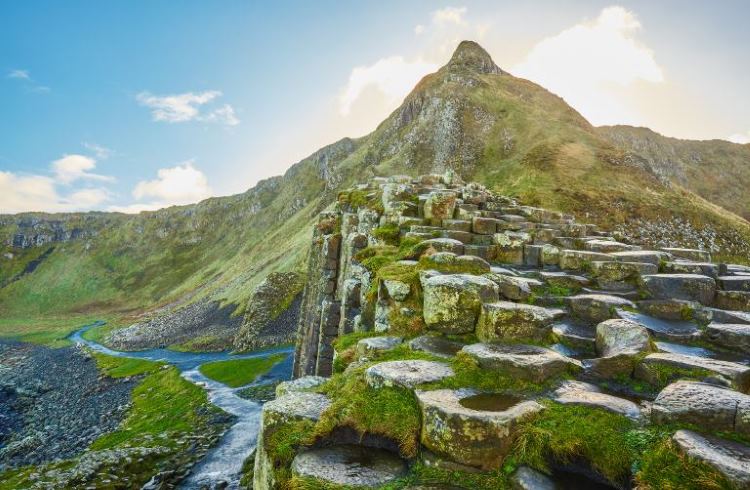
{"x":508,"y":133}
{"x":239,"y":372}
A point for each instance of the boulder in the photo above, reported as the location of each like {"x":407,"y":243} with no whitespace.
{"x":294,"y":406}
{"x":527,"y":362}
{"x":474,"y":437}
{"x":508,"y":321}
{"x":578,"y":393}
{"x":406,"y":374}
{"x":397,"y":290}
{"x":439,"y":205}
{"x":349,"y":466}
{"x":659,"y":367}
{"x":617,"y":336}
{"x":729,"y":458}
{"x":457,"y":224}
{"x":689,"y":287}
{"x":304,"y":383}
{"x":452,"y":303}
{"x":735,"y":336}
{"x":484,"y":226}
{"x":596,"y":308}
{"x":705,"y":405}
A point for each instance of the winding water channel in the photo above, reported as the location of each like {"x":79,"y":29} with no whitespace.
{"x":224,"y":462}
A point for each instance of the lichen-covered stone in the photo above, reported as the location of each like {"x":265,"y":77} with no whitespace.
{"x":689,"y":253}
{"x":527,"y":362}
{"x":579,"y":259}
{"x":452,"y":303}
{"x":508,"y":321}
{"x":514,"y":287}
{"x":436,"y":245}
{"x":304,"y":383}
{"x":654,"y":257}
{"x":619,"y":336}
{"x":349,"y":466}
{"x":733,"y":300}
{"x":607,"y":246}
{"x":730,"y":458}
{"x":406,"y":374}
{"x":655,"y":367}
{"x":690,"y":287}
{"x":374,"y":345}
{"x":436,"y":345}
{"x":471,"y":437}
{"x":439,"y":205}
{"x":613,"y":271}
{"x":733,"y":336}
{"x":397,"y":290}
{"x":688,"y":267}
{"x":597,"y":307}
{"x":577,"y":393}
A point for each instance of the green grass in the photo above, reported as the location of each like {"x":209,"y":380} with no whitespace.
{"x":123,"y":367}
{"x":239,"y":372}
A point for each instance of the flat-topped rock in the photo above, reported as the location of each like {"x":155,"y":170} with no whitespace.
{"x":578,"y":336}
{"x":305,"y":383}
{"x":652,"y":369}
{"x":580,"y":259}
{"x":654,"y":257}
{"x":514,"y":288}
{"x":733,"y":300}
{"x":452,"y":303}
{"x":735,"y":336}
{"x":472,"y":428}
{"x":691,"y":267}
{"x":607,"y":246}
{"x":577,"y":393}
{"x":435,"y":345}
{"x":708,"y":406}
{"x":689,"y":287}
{"x":729,"y":458}
{"x":350,"y":466}
{"x":508,"y":321}
{"x":437,"y":245}
{"x":374,"y":345}
{"x":689,"y":254}
{"x":619,"y":336}
{"x":597,"y":307}
{"x":734,"y":283}
{"x":397,"y":290}
{"x":528,"y":362}
{"x":610,"y":272}
{"x":564,"y":280}
{"x":406,"y":374}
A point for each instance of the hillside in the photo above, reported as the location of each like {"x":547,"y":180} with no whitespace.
{"x":507,"y":133}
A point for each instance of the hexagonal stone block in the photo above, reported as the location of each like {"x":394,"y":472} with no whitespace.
{"x":349,"y":466}
{"x":734,"y":283}
{"x":738,"y":375}
{"x":578,"y":393}
{"x":436,"y":245}
{"x":528,"y":362}
{"x":654,"y":257}
{"x":479,"y":436}
{"x":436,"y":345}
{"x":374,"y":345}
{"x":618,"y":336}
{"x":303,"y":383}
{"x":690,"y":287}
{"x":406,"y":374}
{"x":689,"y":254}
{"x":452,"y":302}
{"x":733,"y":300}
{"x":439,"y":205}
{"x":508,"y":321}
{"x":688,"y":267}
{"x":607,"y":246}
{"x":580,"y":259}
{"x":597,"y":307}
{"x":708,"y":406}
{"x":515,"y":288}
{"x":730,"y":458}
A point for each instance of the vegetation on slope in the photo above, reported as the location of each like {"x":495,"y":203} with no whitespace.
{"x":239,"y":372}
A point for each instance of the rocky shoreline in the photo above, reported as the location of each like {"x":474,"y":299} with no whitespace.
{"x":54,"y":403}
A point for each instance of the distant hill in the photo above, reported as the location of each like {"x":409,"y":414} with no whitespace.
{"x":470,"y":116}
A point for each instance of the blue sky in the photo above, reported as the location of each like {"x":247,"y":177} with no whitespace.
{"x":126,"y":105}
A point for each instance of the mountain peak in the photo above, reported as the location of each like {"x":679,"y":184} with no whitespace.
{"x":472,"y":56}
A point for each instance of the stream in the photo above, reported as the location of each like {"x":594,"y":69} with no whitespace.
{"x":223,"y":463}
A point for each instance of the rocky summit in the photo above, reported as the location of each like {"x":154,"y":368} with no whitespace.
{"x":449,"y":330}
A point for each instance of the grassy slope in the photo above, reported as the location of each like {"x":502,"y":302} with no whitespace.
{"x":508,"y":133}
{"x":239,"y":372}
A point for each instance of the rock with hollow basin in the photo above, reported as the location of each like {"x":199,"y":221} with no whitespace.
{"x":705,"y":405}
{"x":729,"y":458}
{"x":529,"y":362}
{"x":406,"y":374}
{"x":472,"y":428}
{"x":349,"y":466}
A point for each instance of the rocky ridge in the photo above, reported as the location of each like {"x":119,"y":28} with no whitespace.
{"x":424,"y":287}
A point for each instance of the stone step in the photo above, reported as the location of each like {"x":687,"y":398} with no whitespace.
{"x":305,"y":383}
{"x":729,"y":335}
{"x":729,"y":458}
{"x":652,"y":368}
{"x":606,"y":246}
{"x":647,"y":256}
{"x":436,"y":345}
{"x":349,"y":466}
{"x":580,"y":259}
{"x":708,"y":406}
{"x":690,"y":287}
{"x":529,"y":362}
{"x":596,"y":308}
{"x":733,"y":300}
{"x":406,"y":374}
{"x":375,"y":345}
{"x":690,"y":267}
{"x":689,"y":253}
{"x":578,"y":393}
{"x":734,"y":283}
{"x":452,"y":303}
{"x":505,"y":321}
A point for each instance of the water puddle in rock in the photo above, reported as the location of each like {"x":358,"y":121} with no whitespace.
{"x":490,"y":402}
{"x":675,"y":329}
{"x":223,"y":464}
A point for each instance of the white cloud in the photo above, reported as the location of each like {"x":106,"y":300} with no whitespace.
{"x":187,"y":107}
{"x":20,"y":193}
{"x":418,"y":29}
{"x":70,"y":168}
{"x":393,"y":76}
{"x":101,"y":152}
{"x":182,"y":184}
{"x":449,"y":15}
{"x":19,"y":74}
{"x":587,"y":63}
{"x":741,"y":139}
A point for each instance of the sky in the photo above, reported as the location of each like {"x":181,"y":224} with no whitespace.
{"x":136,"y":105}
